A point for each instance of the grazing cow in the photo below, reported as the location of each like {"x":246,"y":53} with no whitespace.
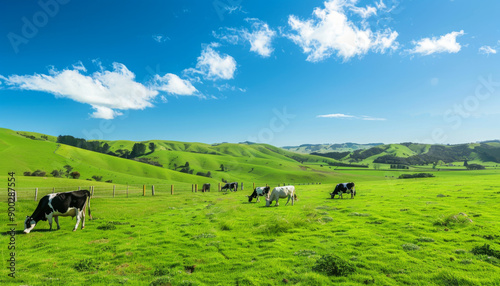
{"x":60,"y":204}
{"x":206,"y":188}
{"x":344,"y":188}
{"x":281,"y":192}
{"x":259,"y":191}
{"x":230,"y":186}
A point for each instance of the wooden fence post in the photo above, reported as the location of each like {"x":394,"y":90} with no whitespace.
{"x":195,"y":188}
{"x":153,"y":190}
{"x":114,"y":186}
{"x":254,"y":186}
{"x":219,"y":187}
{"x":143,"y":190}
{"x":36,"y":194}
{"x":242,"y":186}
{"x":172,"y":189}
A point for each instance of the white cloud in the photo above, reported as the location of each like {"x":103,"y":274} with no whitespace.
{"x":330,"y":31}
{"x":213,"y":66}
{"x":107,"y":92}
{"x":486,"y":50}
{"x":345,"y":116}
{"x":335,"y":115}
{"x":173,"y":84}
{"x":366,"y":12}
{"x":445,"y":44}
{"x":260,"y":36}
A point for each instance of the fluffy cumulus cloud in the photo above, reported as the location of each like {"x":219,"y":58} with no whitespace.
{"x":260,"y":36}
{"x":173,"y":84}
{"x":345,"y":116}
{"x":487,"y":50}
{"x":107,"y":91}
{"x":444,"y":44}
{"x":213,"y":65}
{"x":330,"y":31}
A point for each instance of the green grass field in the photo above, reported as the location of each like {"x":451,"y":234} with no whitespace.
{"x":395,"y":232}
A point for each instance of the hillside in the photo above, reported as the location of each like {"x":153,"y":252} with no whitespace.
{"x":421,"y":154}
{"x":326,"y":148}
{"x":28,"y":152}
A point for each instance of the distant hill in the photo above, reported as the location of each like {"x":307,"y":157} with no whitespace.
{"x":326,"y":148}
{"x":420,"y":154}
{"x":170,"y":161}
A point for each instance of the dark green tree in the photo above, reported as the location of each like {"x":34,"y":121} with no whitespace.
{"x":139,"y":149}
{"x":152,"y":147}
{"x":75,"y":175}
{"x":68,"y":170}
{"x":57,"y":173}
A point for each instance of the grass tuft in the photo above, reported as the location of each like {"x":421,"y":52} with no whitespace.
{"x":451,"y":220}
{"x":333,"y":265}
{"x":410,"y":247}
{"x":87,"y":264}
{"x":107,"y":226}
{"x":486,"y":250}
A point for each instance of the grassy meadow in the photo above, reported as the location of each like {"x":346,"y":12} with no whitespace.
{"x":395,"y":232}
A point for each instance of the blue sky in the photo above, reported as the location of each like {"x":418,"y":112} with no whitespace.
{"x":283,"y":73}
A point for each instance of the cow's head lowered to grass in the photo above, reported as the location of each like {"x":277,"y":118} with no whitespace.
{"x":281,"y":192}
{"x":60,"y":204}
{"x":29,"y":224}
{"x":343,"y":188}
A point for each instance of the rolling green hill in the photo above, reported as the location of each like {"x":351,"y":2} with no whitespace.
{"x":326,"y":148}
{"x":27,"y":152}
{"x":421,"y":154}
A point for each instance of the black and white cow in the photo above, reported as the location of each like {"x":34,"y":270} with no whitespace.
{"x":230,"y":186}
{"x":344,"y":188}
{"x":281,"y":192}
{"x":258,"y":192}
{"x":206,"y":188}
{"x":60,"y":204}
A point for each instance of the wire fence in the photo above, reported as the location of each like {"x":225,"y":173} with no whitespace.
{"x":130,"y":191}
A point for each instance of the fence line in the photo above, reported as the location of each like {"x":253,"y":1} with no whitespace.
{"x":120,"y":191}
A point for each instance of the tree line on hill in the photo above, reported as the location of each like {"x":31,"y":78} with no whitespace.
{"x":138,"y":149}
{"x":68,"y":173}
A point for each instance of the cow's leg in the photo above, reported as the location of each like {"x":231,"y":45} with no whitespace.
{"x":56,"y":218}
{"x":49,"y":219}
{"x":277,"y":204}
{"x":289,"y":197}
{"x":83,"y":217}
{"x":78,"y":217}
{"x":352,"y":194}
